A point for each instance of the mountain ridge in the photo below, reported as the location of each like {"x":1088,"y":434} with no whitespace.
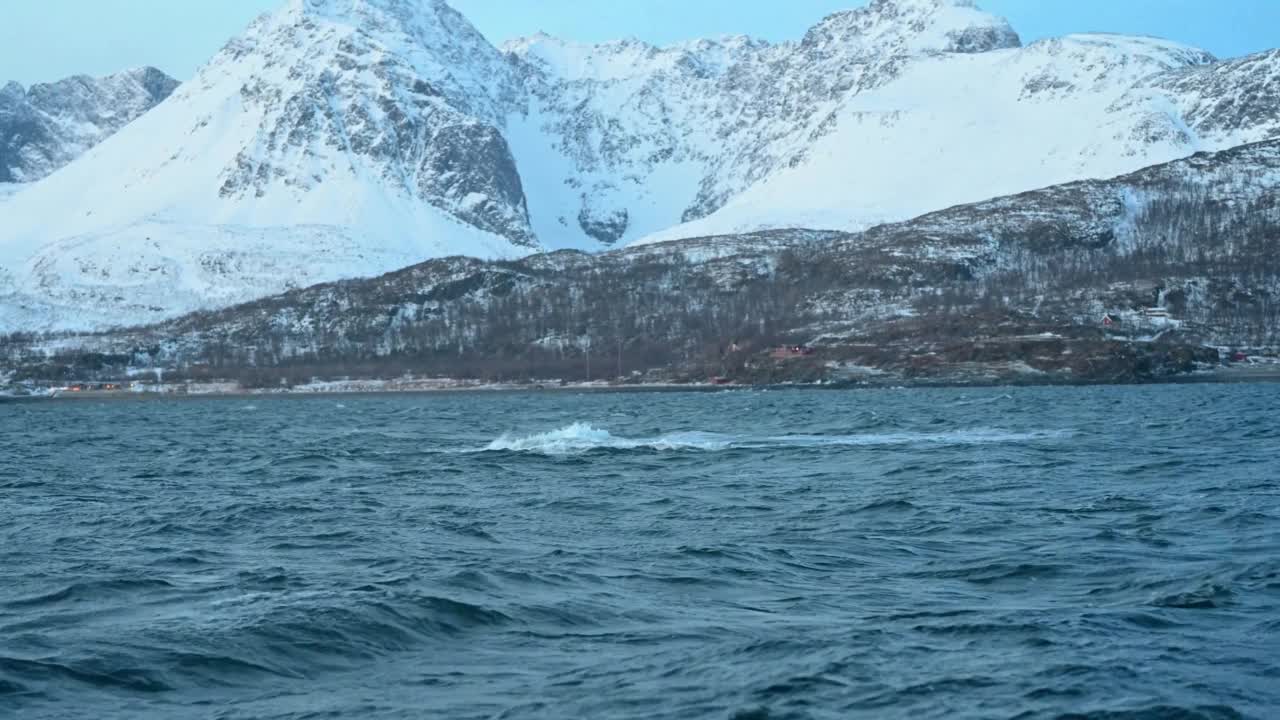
{"x":344,"y":138}
{"x":46,"y":126}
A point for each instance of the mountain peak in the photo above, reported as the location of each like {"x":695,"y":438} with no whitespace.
{"x":427,"y":39}
{"x":915,"y":27}
{"x":402,"y":9}
{"x":430,"y":23}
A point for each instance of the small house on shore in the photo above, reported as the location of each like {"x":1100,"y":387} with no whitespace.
{"x":791,"y":352}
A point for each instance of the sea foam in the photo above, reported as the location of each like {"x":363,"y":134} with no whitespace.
{"x":581,"y":438}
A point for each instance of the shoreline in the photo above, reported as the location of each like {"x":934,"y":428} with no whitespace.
{"x":369,"y":391}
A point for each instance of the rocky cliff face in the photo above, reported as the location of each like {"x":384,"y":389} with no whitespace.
{"x":406,"y":91}
{"x":49,"y":125}
{"x":1232,"y":101}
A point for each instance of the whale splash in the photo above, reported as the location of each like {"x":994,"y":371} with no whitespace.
{"x":580,"y":438}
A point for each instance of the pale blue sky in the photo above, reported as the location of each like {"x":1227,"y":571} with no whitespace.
{"x":43,"y":40}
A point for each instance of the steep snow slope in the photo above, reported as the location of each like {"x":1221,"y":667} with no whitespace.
{"x":313,"y":118}
{"x":152,"y":269}
{"x":49,"y":125}
{"x":1233,"y":102}
{"x":614,"y":142}
{"x":953,"y":129}
{"x":646,"y":137}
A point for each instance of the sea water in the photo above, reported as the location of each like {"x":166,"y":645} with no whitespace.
{"x":1038,"y":553}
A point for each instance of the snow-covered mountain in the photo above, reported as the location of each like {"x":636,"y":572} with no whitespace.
{"x":344,"y":138}
{"x":877,"y":115}
{"x":49,"y":125}
{"x":850,"y":128}
{"x":335,"y":138}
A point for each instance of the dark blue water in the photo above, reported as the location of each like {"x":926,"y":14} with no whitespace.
{"x":1110,"y":552}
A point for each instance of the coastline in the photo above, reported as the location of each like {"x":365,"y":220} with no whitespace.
{"x":1231,"y":375}
{"x":365,"y":389}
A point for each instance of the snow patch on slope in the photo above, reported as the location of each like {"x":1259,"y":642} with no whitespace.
{"x":149,"y":271}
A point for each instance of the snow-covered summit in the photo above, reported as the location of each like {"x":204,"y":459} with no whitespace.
{"x":912,"y":27}
{"x":435,"y":40}
{"x":406,"y":12}
{"x":353,"y":113}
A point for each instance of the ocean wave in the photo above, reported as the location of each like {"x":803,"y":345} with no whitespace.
{"x":89,"y":672}
{"x":89,"y":590}
{"x":580,"y":438}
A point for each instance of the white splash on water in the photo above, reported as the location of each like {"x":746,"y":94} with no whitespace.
{"x":581,"y":438}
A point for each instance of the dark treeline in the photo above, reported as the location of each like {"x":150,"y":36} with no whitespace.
{"x":501,"y":321}
{"x":1215,"y":265}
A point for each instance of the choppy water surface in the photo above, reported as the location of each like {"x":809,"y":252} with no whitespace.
{"x":1112,"y":552}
